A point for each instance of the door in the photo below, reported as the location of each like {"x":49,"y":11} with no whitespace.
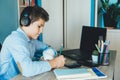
{"x":53,"y":30}
{"x":77,"y":14}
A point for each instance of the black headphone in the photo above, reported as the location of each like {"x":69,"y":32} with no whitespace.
{"x":25,"y":20}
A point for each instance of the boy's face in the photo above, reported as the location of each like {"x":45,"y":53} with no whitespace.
{"x":35,"y":28}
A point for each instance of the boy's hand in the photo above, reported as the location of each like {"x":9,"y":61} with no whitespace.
{"x":57,"y":62}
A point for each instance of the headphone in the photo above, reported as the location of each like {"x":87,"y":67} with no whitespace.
{"x":25,"y":20}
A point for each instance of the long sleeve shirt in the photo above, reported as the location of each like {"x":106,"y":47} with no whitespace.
{"x":16,"y":56}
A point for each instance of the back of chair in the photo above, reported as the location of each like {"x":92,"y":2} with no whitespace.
{"x":40,"y":38}
{"x":0,"y":46}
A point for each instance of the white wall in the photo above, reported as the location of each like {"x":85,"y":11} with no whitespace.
{"x":114,"y":36}
{"x":77,"y":14}
{"x":53,"y":30}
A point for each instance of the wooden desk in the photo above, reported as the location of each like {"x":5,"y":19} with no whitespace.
{"x":108,"y":70}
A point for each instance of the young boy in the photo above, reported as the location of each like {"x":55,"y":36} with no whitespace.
{"x":19,"y":47}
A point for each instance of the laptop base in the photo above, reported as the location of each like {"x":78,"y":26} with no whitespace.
{"x":88,"y":64}
{"x":80,"y":57}
{"x":73,"y":65}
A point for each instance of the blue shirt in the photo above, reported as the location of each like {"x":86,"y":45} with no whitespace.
{"x":16,"y":56}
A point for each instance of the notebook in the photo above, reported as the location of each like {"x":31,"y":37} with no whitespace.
{"x":89,"y":38}
{"x":71,"y":73}
{"x":86,"y":74}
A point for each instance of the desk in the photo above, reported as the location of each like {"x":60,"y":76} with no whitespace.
{"x":108,"y":70}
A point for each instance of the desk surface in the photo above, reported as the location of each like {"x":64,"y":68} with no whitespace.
{"x":108,"y":70}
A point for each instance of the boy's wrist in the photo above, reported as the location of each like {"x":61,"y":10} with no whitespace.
{"x":53,"y":63}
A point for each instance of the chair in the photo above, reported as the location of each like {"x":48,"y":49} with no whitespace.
{"x":0,"y":46}
{"x":38,"y":54}
{"x":40,"y":38}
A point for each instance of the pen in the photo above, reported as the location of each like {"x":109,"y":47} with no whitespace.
{"x":61,"y":48}
{"x":97,"y":48}
{"x":101,"y":55}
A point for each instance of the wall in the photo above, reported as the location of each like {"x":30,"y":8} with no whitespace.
{"x":8,"y":17}
{"x":113,"y":36}
{"x":53,"y":30}
{"x":77,"y":13}
{"x":74,"y":18}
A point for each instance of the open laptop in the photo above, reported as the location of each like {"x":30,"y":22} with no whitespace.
{"x":89,"y":37}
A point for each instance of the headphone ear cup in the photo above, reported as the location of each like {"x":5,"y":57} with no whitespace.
{"x":25,"y":21}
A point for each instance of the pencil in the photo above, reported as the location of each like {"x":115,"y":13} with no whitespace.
{"x":61,"y":48}
{"x":97,"y":48}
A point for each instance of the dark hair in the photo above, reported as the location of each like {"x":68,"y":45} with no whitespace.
{"x":31,"y":14}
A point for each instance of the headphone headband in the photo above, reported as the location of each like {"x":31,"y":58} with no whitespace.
{"x":25,"y":16}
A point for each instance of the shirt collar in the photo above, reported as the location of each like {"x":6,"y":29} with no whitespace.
{"x":24,"y":34}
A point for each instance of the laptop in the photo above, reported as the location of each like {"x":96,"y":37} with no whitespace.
{"x":89,"y":37}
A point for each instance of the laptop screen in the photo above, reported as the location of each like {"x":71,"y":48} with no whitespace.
{"x":89,"y":37}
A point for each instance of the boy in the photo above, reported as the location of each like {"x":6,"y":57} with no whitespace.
{"x":19,"y":47}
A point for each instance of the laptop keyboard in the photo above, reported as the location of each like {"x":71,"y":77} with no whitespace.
{"x":73,"y":54}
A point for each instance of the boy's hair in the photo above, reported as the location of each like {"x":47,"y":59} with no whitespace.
{"x":31,"y":14}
